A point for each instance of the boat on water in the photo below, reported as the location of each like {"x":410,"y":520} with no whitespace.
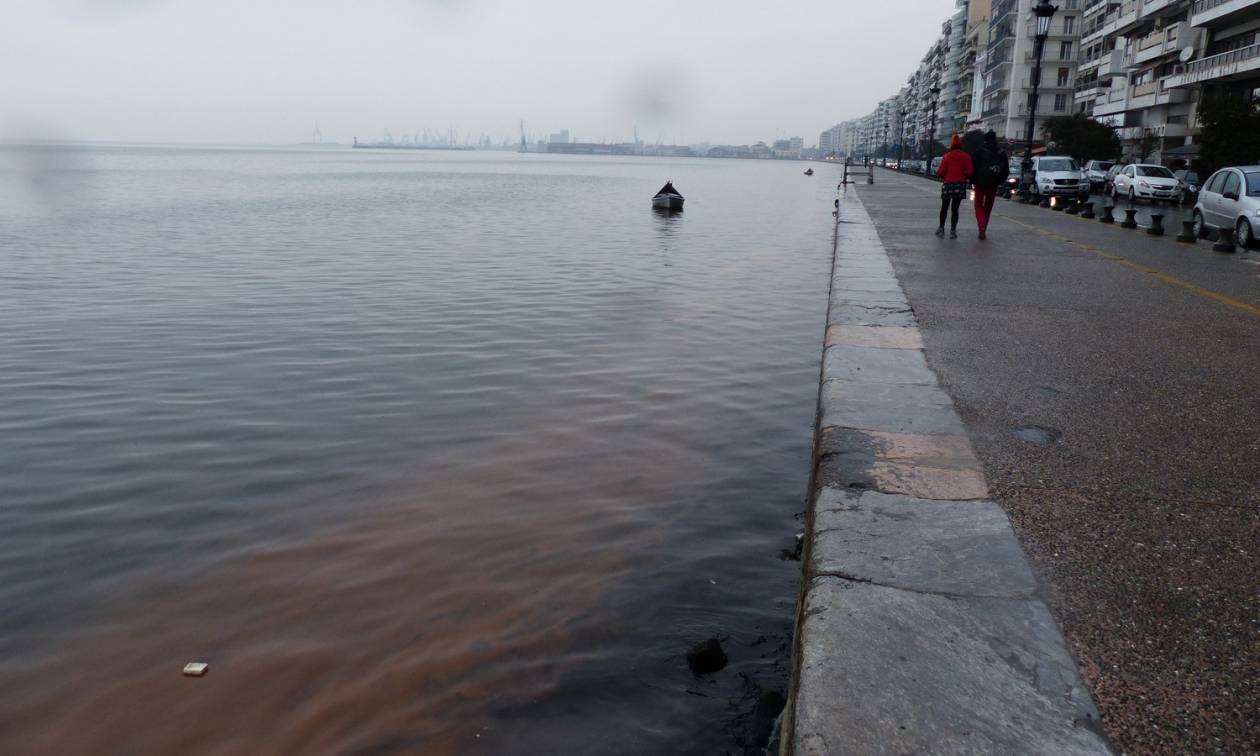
{"x":668,"y":197}
{"x":809,"y":171}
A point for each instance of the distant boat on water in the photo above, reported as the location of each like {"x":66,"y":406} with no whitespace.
{"x":809,"y":171}
{"x":668,"y":197}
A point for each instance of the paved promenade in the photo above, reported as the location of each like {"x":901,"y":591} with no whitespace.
{"x":922,"y":627}
{"x":1110,"y":383}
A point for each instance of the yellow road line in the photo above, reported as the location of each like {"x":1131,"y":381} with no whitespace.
{"x":1167,"y":278}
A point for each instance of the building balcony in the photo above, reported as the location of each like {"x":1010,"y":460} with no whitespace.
{"x":1093,"y":9}
{"x":1113,"y":64}
{"x":1088,"y":93}
{"x":1163,"y":42}
{"x":1217,"y":13}
{"x":1153,"y":7}
{"x":1130,"y":14}
{"x":1088,"y":65}
{"x":1235,"y":64}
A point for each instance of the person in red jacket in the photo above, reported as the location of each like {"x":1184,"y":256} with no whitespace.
{"x":955,"y":169}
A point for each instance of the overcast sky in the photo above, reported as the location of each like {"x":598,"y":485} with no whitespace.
{"x":254,"y":71}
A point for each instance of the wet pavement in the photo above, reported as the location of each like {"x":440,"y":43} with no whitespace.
{"x":1107,"y":379}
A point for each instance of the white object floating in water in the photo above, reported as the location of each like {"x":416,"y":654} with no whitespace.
{"x":195,"y":669}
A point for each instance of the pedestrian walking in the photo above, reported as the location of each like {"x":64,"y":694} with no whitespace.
{"x":992,"y":168}
{"x":955,"y":169}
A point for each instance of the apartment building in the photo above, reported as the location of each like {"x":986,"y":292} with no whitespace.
{"x":1131,"y":53}
{"x":1225,"y":55}
{"x":1009,"y":62}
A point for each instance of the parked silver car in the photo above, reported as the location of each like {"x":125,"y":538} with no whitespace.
{"x":1096,"y":171}
{"x":1230,"y":199}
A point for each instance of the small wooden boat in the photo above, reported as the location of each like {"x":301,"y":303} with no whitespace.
{"x":668,"y":197}
{"x":809,"y":171}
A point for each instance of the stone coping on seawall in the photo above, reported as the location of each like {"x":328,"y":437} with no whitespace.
{"x":920,"y":626}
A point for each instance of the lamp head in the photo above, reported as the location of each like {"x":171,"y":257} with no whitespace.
{"x":1044,"y":11}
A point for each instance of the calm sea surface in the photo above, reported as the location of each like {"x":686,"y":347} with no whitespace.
{"x":423,"y":452}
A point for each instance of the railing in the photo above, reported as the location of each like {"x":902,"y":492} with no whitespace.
{"x":1203,"y":6}
{"x":1224,"y":59}
{"x":1142,"y":90}
{"x":1154,"y":39}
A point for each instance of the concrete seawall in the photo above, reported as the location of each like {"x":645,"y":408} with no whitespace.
{"x":920,"y":625}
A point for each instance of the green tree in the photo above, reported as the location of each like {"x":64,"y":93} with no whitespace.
{"x":1145,"y":145}
{"x":937,"y":150}
{"x":1081,"y":137}
{"x":1229,"y":130}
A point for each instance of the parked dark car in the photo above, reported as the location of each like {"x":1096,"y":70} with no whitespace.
{"x":1109,"y":182}
{"x":1189,"y":186}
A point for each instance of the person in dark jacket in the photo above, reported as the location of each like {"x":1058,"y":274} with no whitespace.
{"x":992,"y":168}
{"x":955,"y":169}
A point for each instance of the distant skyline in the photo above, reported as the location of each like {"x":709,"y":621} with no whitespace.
{"x":240,"y":72}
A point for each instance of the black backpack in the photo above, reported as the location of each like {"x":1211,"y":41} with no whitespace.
{"x":992,"y":168}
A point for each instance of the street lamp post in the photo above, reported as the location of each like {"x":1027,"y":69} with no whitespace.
{"x":885,"y":156}
{"x":936,"y":92}
{"x":901,"y":139}
{"x":1043,"y":11}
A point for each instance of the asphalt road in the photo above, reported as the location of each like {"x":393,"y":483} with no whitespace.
{"x":1129,"y":367}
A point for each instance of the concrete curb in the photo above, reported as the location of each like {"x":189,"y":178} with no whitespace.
{"x":920,"y":628}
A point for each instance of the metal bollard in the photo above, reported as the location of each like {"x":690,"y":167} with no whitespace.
{"x":1157,"y":225}
{"x":1187,"y":232}
{"x":1107,"y":216}
{"x":1130,"y":218}
{"x":1060,"y":205}
{"x":1225,"y":242}
{"x":1088,"y":212}
{"x":1075,"y":208}
{"x":1045,"y":202}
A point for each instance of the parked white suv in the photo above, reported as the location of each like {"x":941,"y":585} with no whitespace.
{"x":1058,"y":176}
{"x":1230,"y":198}
{"x":1142,"y":181}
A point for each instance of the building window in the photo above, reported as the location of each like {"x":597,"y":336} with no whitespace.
{"x":1060,"y":103}
{"x":1065,"y":76}
{"x":1068,"y":23}
{"x":1065,"y":51}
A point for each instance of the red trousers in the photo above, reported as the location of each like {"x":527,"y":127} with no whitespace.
{"x":984,"y":205}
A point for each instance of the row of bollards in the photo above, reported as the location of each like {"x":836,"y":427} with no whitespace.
{"x":1224,"y":243}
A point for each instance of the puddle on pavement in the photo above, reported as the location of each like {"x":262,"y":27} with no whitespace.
{"x":1038,"y":434}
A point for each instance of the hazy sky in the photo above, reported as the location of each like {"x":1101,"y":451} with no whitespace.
{"x":251,"y":71}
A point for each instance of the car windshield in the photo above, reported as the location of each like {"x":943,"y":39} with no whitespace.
{"x":1057,"y":164}
{"x":1154,"y":171}
{"x":1101,"y":166}
{"x":1253,"y":184}
{"x":1190,"y":177}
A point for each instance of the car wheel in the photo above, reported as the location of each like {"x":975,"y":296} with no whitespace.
{"x":1243,"y":234}
{"x":1200,"y":228}
{"x":1132,"y":196}
{"x":1115,"y":193}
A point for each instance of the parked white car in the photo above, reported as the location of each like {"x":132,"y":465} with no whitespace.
{"x":1230,"y":198}
{"x":1058,"y":176}
{"x":1142,"y":181}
